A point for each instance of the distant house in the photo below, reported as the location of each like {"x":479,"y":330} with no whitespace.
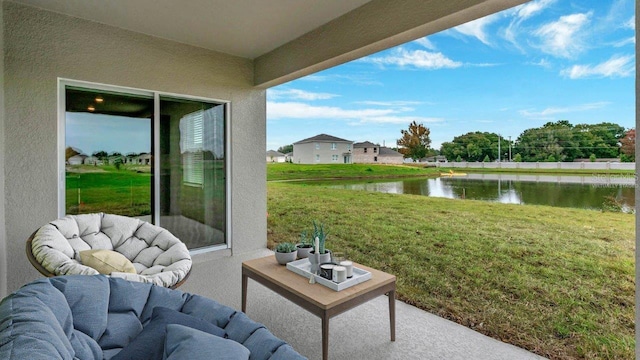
{"x":370,"y":153}
{"x":92,"y":160}
{"x":77,"y":159}
{"x":322,"y":149}
{"x":143,"y":159}
{"x":275,"y":157}
{"x":437,"y":158}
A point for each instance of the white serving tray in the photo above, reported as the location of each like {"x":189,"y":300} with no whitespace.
{"x":303,"y":267}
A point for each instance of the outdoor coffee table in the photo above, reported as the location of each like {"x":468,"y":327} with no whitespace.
{"x":316,"y":298}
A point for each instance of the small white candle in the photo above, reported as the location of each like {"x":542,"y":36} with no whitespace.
{"x":317,"y":246}
{"x":349,"y":266}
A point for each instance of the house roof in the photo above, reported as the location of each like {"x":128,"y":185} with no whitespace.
{"x":365,"y":144}
{"x":274,"y":153}
{"x":286,"y":39}
{"x":322,"y":138}
{"x":388,"y":152}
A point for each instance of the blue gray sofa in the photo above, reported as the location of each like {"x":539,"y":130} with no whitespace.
{"x":99,"y":317}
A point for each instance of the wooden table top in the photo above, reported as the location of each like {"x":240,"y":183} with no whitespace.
{"x":268,"y":269}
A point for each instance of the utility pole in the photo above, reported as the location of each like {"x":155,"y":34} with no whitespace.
{"x":509,"y":148}
{"x":499,"y":138}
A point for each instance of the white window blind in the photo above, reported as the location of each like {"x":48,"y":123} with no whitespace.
{"x":192,"y":147}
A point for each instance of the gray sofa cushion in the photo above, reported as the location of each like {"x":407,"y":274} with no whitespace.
{"x":94,"y":317}
{"x":186,"y":343}
{"x":158,"y":257}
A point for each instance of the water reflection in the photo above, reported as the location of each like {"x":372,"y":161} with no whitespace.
{"x":587,"y":192}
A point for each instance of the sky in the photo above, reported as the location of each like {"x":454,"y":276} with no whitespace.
{"x":89,"y":133}
{"x":542,"y":61}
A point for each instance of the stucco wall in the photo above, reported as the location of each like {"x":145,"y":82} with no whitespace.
{"x":41,"y":46}
{"x":3,"y":237}
{"x":306,"y":153}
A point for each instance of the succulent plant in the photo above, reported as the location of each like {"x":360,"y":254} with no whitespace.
{"x":321,"y":234}
{"x":305,"y":240}
{"x":285,"y":247}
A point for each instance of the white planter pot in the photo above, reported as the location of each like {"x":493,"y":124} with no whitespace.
{"x":303,"y":252}
{"x":284,"y":258}
{"x":324,"y":258}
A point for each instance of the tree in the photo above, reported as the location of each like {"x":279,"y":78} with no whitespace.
{"x":415,"y":142}
{"x":628,"y":145}
{"x":517,"y":158}
{"x":486,"y":159}
{"x":285,"y":149}
{"x":475,"y":146}
{"x":102,"y":155}
{"x":459,"y":158}
{"x":118,"y":163}
{"x":592,"y":157}
{"x":566,"y":142}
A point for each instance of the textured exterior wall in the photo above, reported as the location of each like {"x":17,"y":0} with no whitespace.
{"x":42,"y":46}
{"x":360,"y":157}
{"x":306,"y":153}
{"x":3,"y":233}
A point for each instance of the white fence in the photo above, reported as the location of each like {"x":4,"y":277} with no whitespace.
{"x":541,"y":165}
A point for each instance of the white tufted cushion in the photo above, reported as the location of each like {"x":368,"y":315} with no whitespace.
{"x":159,"y":257}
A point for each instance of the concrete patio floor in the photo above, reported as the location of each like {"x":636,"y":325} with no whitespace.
{"x":361,"y":333}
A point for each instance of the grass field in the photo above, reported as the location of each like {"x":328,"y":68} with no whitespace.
{"x":558,"y":282}
{"x":106,"y":189}
{"x":286,"y":171}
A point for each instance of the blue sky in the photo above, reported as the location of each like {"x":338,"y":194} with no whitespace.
{"x":546,"y":60}
{"x":98,"y":132}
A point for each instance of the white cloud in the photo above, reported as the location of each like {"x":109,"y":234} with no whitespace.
{"x":546,"y":113}
{"x":631,"y":23}
{"x":527,"y":10}
{"x":624,"y":42}
{"x":319,"y":78}
{"x":296,"y":110}
{"x":476,"y":28}
{"x":297,"y":94}
{"x":617,"y":66}
{"x":426,"y":43}
{"x":390,"y":103}
{"x":353,"y":78}
{"x":399,"y":120}
{"x":542,"y":63}
{"x":418,"y":58}
{"x":520,"y":14}
{"x":563,"y":38}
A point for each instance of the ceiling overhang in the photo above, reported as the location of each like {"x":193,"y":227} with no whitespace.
{"x":286,"y":39}
{"x":373,"y":27}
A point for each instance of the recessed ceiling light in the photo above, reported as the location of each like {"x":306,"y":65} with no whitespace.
{"x":99,"y":99}
{"x":91,"y":108}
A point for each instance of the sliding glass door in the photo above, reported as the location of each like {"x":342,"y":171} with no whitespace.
{"x":192,"y":170}
{"x":144,"y":154}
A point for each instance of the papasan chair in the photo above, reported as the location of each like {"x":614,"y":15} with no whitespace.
{"x":108,"y":244}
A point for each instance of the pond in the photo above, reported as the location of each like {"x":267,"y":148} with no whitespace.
{"x":585,"y":192}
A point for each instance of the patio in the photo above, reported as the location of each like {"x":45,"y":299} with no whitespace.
{"x":104,"y":43}
{"x":419,"y":335}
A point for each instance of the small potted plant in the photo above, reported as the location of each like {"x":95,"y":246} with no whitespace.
{"x":286,"y":252}
{"x":319,"y":237}
{"x":304,"y":246}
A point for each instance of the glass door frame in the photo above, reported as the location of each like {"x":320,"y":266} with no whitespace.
{"x":155,"y":211}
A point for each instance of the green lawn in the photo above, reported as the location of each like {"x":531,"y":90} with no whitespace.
{"x":105,"y":189}
{"x":558,"y":282}
{"x":286,"y":171}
